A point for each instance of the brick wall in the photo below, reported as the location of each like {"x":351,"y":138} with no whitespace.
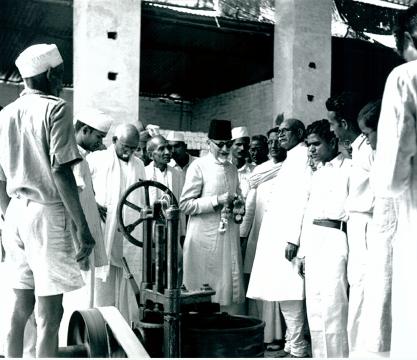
{"x":249,"y":106}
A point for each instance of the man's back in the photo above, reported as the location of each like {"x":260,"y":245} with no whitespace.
{"x":34,"y":131}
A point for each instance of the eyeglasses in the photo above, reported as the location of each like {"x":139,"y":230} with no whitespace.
{"x":286,"y":130}
{"x":221,"y":144}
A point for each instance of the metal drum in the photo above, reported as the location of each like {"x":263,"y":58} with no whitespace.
{"x":221,"y":335}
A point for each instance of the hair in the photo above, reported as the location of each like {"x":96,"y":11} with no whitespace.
{"x":79,"y":124}
{"x":322,"y":129}
{"x":405,"y":21}
{"x":346,"y":106}
{"x":273,"y":130}
{"x":151,"y":144}
{"x":261,"y":138}
{"x":370,"y":114}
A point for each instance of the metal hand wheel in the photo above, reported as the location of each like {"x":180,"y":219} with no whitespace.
{"x":127,"y":229}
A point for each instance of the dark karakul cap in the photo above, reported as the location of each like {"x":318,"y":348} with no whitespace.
{"x":220,"y":130}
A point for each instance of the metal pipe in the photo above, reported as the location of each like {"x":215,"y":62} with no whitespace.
{"x":172,"y":216}
{"x":159,"y":257}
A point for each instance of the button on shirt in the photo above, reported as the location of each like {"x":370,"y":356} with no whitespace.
{"x":36,"y":133}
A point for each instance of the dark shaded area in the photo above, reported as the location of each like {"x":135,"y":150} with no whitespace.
{"x":361,"y":66}
{"x":193,"y":56}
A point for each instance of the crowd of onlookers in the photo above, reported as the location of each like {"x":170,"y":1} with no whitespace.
{"x":311,"y":229}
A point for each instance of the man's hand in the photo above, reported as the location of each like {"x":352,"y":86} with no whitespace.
{"x":301,"y":267}
{"x":290,"y":251}
{"x":102,"y":211}
{"x":86,"y":243}
{"x":225,"y":199}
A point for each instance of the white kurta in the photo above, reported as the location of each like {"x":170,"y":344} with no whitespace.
{"x":173,"y":179}
{"x":326,"y":253}
{"x":274,"y":278}
{"x":211,"y":257}
{"x":396,"y":170}
{"x":256,"y":201}
{"x":244,"y":174}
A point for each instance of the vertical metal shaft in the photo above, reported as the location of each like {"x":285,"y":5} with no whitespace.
{"x":159,"y":257}
{"x":172,"y":245}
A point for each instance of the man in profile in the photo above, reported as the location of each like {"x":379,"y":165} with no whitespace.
{"x":39,"y":199}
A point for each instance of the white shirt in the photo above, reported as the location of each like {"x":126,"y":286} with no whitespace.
{"x":244,"y":174}
{"x":361,"y":197}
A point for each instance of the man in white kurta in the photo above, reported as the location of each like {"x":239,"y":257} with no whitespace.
{"x":113,"y":170}
{"x":259,"y":196}
{"x":159,"y":170}
{"x":212,"y":256}
{"x":239,"y":153}
{"x":275,"y":273}
{"x":181,"y":159}
{"x":343,"y":111}
{"x":324,"y":245}
{"x":396,"y":169}
{"x":91,"y":126}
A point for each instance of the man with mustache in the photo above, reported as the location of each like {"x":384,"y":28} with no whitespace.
{"x":212,"y":253}
{"x":160,"y":152}
{"x":239,"y":154}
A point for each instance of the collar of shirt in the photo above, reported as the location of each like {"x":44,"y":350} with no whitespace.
{"x":29,"y":91}
{"x":358,"y":142}
{"x":335,"y":162}
{"x":82,"y":151}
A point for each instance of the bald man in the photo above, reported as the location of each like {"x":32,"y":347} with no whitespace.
{"x":275,"y":262}
{"x":113,"y":170}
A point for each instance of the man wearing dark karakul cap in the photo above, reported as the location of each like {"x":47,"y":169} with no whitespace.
{"x":212,"y":249}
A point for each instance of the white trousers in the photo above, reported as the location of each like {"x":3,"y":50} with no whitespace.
{"x":295,"y":315}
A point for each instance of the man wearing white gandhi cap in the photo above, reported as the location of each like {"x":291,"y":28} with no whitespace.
{"x":38,"y":197}
{"x":239,"y":153}
{"x":181,"y":159}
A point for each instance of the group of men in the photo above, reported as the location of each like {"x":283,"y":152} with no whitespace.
{"x":313,"y":225}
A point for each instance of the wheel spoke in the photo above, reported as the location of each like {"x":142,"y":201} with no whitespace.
{"x":132,"y":226}
{"x":148,"y":203}
{"x":133,"y":206}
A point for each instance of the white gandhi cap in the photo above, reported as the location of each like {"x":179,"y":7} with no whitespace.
{"x":239,"y":132}
{"x":96,"y":119}
{"x":37,"y":59}
{"x":175,"y":136}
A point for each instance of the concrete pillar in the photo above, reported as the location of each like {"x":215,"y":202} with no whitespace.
{"x":302,"y":58}
{"x":106,"y":57}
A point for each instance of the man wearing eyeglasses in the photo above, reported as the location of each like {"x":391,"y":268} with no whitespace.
{"x":274,"y":273}
{"x":212,"y":245}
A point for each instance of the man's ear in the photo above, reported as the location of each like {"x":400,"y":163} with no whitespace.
{"x":344,"y":124}
{"x":300,"y":134}
{"x":334,"y":143}
{"x":49,"y":74}
{"x":408,"y":39}
{"x":85,"y":129}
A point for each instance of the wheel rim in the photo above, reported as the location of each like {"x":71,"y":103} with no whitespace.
{"x":127,"y":229}
{"x":88,"y":328}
